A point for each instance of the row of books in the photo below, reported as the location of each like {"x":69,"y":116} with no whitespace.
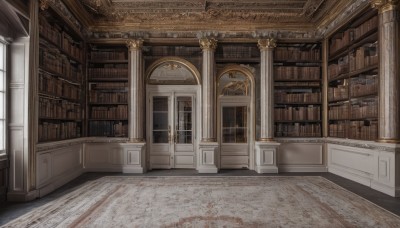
{"x":338,"y":112}
{"x":294,"y":53}
{"x":109,"y":86}
{"x":111,"y":97}
{"x":108,"y":55}
{"x":51,"y":60}
{"x":341,"y":67}
{"x":296,"y":73}
{"x":365,"y":28}
{"x":58,"y":131}
{"x":365,"y":109}
{"x":338,"y":129}
{"x":297,"y":84}
{"x":282,"y":96}
{"x":344,"y":39}
{"x":72,"y":47}
{"x":58,"y":109}
{"x":310,"y":112}
{"x":108,"y":128}
{"x":57,"y":87}
{"x":364,"y":130}
{"x":297,"y":130}
{"x":363,"y":57}
{"x":50,"y":32}
{"x":113,"y":112}
{"x":108,"y":72}
{"x":364,"y":85}
{"x":177,"y":51}
{"x":61,"y":39}
{"x":340,"y":92}
{"x":238,"y":51}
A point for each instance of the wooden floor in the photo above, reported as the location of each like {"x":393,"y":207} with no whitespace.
{"x":10,"y":211}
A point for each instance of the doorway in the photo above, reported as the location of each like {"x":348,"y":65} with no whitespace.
{"x":172,"y":130}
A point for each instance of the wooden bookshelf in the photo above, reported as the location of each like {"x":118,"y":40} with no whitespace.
{"x":237,"y":53}
{"x":107,"y":91}
{"x":297,"y":76}
{"x":353,"y":79}
{"x":61,"y":80}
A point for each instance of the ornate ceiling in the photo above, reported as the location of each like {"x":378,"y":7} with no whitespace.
{"x":206,"y":14}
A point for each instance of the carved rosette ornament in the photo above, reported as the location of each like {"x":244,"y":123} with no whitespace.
{"x":385,"y":5}
{"x":136,"y":44}
{"x":264,"y":44}
{"x":208,"y":43}
{"x":44,"y":4}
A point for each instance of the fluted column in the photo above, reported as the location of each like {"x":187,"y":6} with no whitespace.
{"x":136,"y":91}
{"x":389,"y":78}
{"x":267,"y":89}
{"x":208,"y":45}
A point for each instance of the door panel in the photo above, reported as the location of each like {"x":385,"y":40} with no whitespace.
{"x":234,"y":136}
{"x":172,"y":131}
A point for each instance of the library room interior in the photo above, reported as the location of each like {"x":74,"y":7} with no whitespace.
{"x":199,"y":113}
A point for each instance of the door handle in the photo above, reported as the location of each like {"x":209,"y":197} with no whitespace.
{"x":169,"y":134}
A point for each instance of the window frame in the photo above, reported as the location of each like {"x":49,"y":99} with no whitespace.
{"x":5,"y":44}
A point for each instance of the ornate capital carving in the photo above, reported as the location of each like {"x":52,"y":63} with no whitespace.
{"x":385,"y":5}
{"x":135,"y":44}
{"x":208,"y":43}
{"x":264,"y":44}
{"x":44,"y":4}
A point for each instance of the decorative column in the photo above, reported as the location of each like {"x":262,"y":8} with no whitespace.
{"x":389,"y":78}
{"x":265,"y":146}
{"x":136,"y":151}
{"x":207,"y":155}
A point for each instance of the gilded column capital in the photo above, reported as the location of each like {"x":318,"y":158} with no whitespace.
{"x":44,"y":4}
{"x":208,"y":43}
{"x":135,"y":44}
{"x":385,"y":5}
{"x":264,"y":44}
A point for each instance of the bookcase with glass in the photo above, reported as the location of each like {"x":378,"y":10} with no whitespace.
{"x":108,"y":91}
{"x":353,"y":79}
{"x":297,"y":76}
{"x":60,"y":79}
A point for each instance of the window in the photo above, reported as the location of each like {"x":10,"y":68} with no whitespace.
{"x":3,"y":58}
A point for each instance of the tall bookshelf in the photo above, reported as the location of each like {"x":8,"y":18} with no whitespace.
{"x":60,"y":86}
{"x":108,"y":91}
{"x":353,"y":79}
{"x":237,"y":53}
{"x":297,"y":86}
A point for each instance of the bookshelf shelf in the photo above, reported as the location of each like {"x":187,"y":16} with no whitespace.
{"x":107,"y":91}
{"x":60,"y":85}
{"x":297,"y":77}
{"x":353,"y":95}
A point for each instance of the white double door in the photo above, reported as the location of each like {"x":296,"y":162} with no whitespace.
{"x":171,"y":125}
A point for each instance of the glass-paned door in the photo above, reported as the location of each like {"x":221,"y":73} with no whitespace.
{"x":172,"y":128}
{"x":234,"y":135}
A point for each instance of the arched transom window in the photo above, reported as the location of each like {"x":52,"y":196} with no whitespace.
{"x":234,"y":83}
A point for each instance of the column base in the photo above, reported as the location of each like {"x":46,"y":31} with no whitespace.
{"x":266,"y":159}
{"x":135,"y":154}
{"x":207,"y":157}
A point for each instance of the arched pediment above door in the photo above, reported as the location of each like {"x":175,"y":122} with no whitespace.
{"x":172,"y":71}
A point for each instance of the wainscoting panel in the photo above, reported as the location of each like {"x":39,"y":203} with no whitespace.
{"x":301,"y":157}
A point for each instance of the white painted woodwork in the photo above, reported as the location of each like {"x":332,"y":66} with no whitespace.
{"x":56,"y":167}
{"x":301,"y":157}
{"x":373,"y":168}
{"x":266,"y":160}
{"x":172,"y":154}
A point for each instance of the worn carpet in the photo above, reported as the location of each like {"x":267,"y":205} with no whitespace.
{"x":127,"y":201}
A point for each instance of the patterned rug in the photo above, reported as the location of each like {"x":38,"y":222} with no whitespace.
{"x":127,"y":201}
